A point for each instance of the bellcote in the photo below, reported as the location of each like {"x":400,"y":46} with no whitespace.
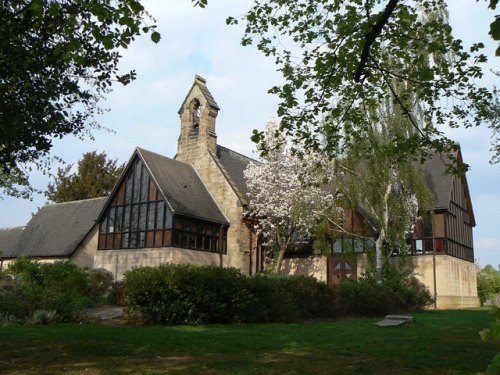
{"x":197,"y":114}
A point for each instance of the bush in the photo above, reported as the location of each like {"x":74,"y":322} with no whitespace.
{"x":393,"y":292}
{"x":186,"y":294}
{"x":488,"y":284}
{"x":59,"y":287}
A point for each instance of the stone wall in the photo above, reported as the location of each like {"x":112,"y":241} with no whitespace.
{"x":312,"y":266}
{"x":199,"y":150}
{"x":120,"y":261}
{"x":84,"y":254}
{"x":456,"y":281}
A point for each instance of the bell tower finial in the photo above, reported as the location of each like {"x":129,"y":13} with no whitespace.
{"x":197,"y":115}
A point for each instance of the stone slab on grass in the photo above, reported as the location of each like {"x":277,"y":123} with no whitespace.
{"x":395,"y":320}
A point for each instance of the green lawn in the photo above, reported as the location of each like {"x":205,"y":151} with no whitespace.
{"x":440,"y":342}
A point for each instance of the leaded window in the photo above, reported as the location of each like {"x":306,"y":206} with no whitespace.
{"x":138,"y":217}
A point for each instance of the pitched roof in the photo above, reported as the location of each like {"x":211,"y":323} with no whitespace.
{"x":234,"y":164}
{"x":201,"y":83}
{"x":181,"y":187}
{"x":439,"y":182}
{"x":8,"y":241}
{"x":56,"y":230}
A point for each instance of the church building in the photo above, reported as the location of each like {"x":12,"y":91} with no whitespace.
{"x":189,"y":209}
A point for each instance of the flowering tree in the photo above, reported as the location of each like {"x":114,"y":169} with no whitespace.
{"x":288,"y":192}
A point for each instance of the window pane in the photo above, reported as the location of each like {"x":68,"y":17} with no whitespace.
{"x":137,"y":182}
{"x":142,"y":239}
{"x":126,"y":219}
{"x":418,"y":246}
{"x":206,"y":243}
{"x":427,"y":226}
{"x":428,"y":246}
{"x":119,"y":219}
{"x":168,"y":223}
{"x":199,"y":242}
{"x":128,"y":190}
{"x":104,"y":220}
{"x":192,"y":241}
{"x":176,"y":240}
{"x":184,"y":239}
{"x":111,"y":220}
{"x":337,"y":246}
{"x":358,"y":245}
{"x":159,"y":217}
{"x":143,"y":216}
{"x":133,"y":239}
{"x":125,"y":242}
{"x":151,"y":216}
{"x":144,"y":185}
{"x":135,"y":218}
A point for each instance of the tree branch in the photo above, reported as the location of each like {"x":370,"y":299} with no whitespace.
{"x":372,"y":36}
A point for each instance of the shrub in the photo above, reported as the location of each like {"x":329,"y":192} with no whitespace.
{"x":186,"y":294}
{"x":488,"y":284}
{"x":101,"y":286}
{"x":60,"y":287}
{"x":392,"y":292}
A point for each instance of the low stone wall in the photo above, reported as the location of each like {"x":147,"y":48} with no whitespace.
{"x":312,"y":266}
{"x":120,"y":261}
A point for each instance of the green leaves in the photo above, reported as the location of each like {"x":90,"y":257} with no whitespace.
{"x":155,"y":37}
{"x":348,"y":55}
{"x":58,"y":59}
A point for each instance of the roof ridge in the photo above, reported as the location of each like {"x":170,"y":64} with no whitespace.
{"x":163,"y":156}
{"x":12,"y":228}
{"x":75,"y":201}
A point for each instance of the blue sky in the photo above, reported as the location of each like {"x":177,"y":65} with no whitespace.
{"x":197,"y":41}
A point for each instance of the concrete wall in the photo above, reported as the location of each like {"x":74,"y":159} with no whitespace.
{"x":120,"y":261}
{"x":312,"y":266}
{"x":456,"y":281}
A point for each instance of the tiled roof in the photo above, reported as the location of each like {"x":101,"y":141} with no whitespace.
{"x":9,"y":240}
{"x":182,"y":188}
{"x":439,"y":182}
{"x":235,"y":163}
{"x":56,"y":230}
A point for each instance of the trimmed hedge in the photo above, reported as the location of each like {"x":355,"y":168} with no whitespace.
{"x":187,"y":294}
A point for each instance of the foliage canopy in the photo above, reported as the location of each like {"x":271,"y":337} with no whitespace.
{"x":57,"y":59}
{"x":339,"y":56}
{"x":96,"y":176}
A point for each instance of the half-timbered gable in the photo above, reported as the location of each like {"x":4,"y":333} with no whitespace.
{"x":453,"y":218}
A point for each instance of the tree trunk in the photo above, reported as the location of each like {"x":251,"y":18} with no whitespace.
{"x":280,"y":259}
{"x":385,"y":222}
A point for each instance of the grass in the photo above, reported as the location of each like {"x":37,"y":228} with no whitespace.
{"x":440,"y":342}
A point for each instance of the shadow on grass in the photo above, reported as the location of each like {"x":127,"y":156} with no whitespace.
{"x":440,"y":342}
